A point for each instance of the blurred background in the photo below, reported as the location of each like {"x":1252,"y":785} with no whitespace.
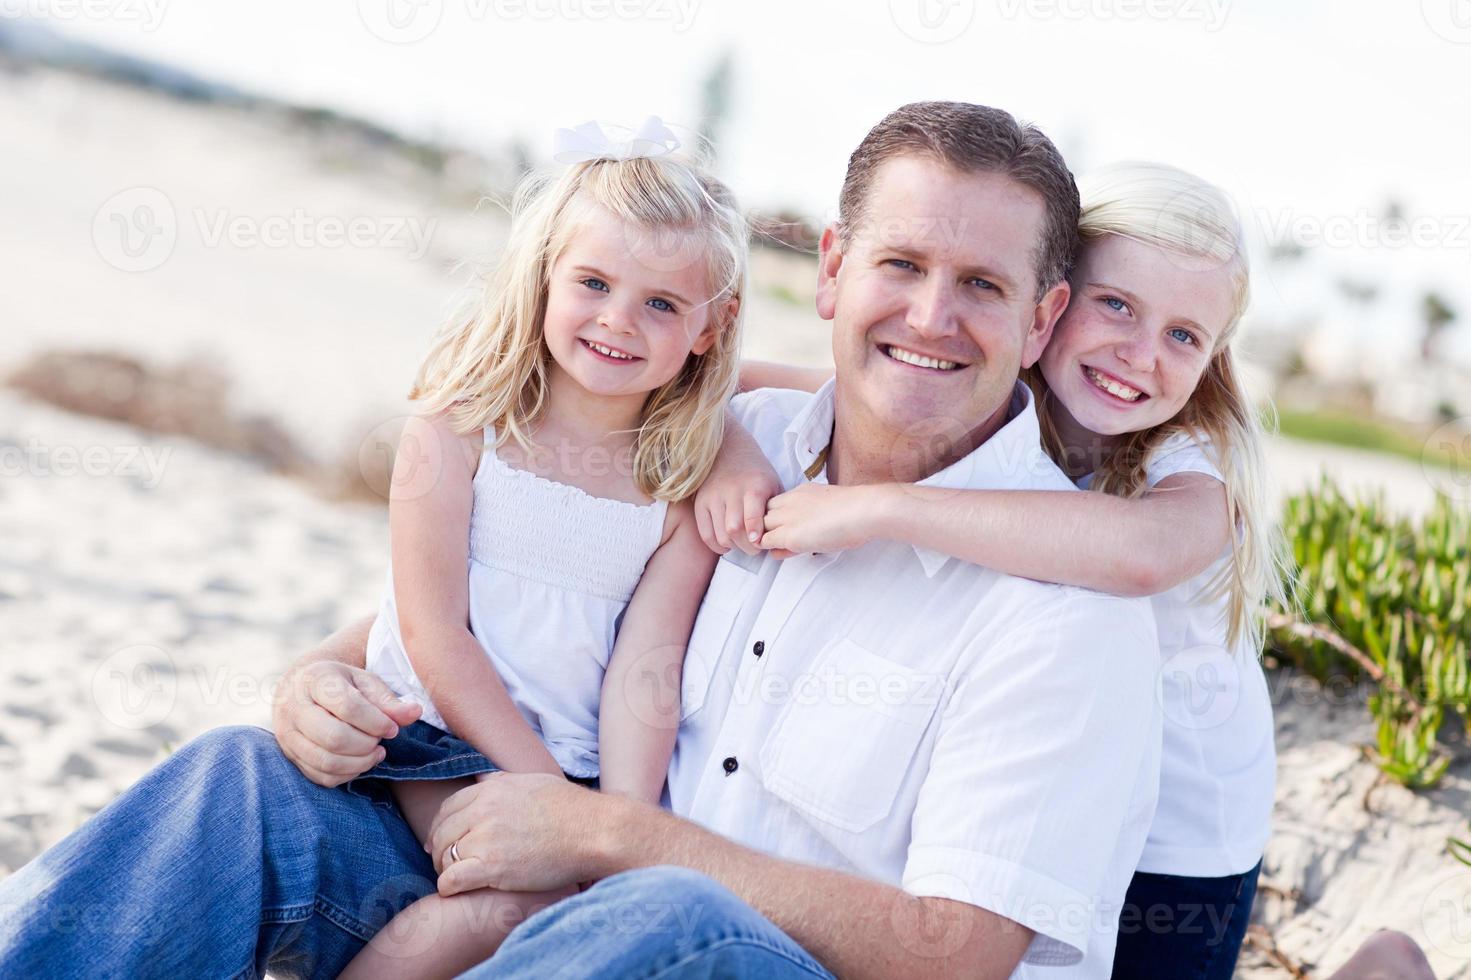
{"x":228,"y":229}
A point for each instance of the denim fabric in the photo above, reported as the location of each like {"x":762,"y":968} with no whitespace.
{"x":420,"y":751}
{"x":665,"y":922}
{"x":224,"y":861}
{"x":1177,"y":928}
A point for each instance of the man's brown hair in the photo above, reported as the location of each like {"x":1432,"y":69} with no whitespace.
{"x":973,"y":139}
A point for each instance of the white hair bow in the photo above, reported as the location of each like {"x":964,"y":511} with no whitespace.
{"x":591,"y":142}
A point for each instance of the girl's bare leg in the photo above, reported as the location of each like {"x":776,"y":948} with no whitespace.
{"x":439,"y":936}
{"x":444,"y":937}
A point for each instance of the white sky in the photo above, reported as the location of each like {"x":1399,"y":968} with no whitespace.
{"x":1305,"y":110}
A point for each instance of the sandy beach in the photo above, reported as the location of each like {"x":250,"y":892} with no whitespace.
{"x":152,"y":588}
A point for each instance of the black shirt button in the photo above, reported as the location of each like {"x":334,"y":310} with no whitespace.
{"x":730,"y":764}
{"x":759,"y":648}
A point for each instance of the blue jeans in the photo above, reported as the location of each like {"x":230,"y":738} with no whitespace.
{"x":665,"y":922}
{"x":224,"y":861}
{"x":1173,"y":926}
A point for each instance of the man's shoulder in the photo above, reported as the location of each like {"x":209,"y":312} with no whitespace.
{"x":1046,"y":618}
{"x":769,"y":406}
{"x":765,"y":413}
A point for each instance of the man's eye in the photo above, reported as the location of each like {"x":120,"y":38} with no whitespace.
{"x":900,"y":263}
{"x":592,"y":282}
{"x":984,"y":283}
{"x":662,"y":305}
{"x":1115,"y":304}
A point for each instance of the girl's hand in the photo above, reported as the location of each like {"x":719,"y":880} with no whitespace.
{"x":818,"y":517}
{"x":731,"y":503}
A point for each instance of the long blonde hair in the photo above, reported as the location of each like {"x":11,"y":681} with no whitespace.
{"x":1167,"y":208}
{"x":488,"y":364}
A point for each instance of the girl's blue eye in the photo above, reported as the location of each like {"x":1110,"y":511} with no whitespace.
{"x":592,"y":282}
{"x":662,"y":305}
{"x":1183,"y":335}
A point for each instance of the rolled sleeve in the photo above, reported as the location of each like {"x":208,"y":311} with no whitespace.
{"x":1044,"y":773}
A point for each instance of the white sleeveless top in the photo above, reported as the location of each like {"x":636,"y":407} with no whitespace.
{"x":551,"y":570}
{"x":1218,"y":763}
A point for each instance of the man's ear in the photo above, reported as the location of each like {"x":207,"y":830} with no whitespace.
{"x":727,"y":316}
{"x":1044,"y":318}
{"x":829,"y":260}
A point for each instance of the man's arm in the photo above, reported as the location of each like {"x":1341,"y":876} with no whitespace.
{"x":855,"y":926}
{"x":527,"y":832}
{"x":330,"y":713}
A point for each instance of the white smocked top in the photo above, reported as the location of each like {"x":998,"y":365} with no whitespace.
{"x":552,"y":569}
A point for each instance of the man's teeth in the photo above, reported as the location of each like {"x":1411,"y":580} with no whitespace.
{"x":1114,"y":388}
{"x":919,"y":360}
{"x":610,"y":352}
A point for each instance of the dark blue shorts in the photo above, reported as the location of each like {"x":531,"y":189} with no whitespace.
{"x":423,"y":751}
{"x":1173,"y":926}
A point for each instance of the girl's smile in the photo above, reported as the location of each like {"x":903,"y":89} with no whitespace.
{"x":1136,"y":337}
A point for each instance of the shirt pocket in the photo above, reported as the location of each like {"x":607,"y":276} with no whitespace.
{"x":722,"y":605}
{"x":848,"y":736}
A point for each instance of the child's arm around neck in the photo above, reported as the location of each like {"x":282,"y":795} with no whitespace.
{"x":1097,"y":541}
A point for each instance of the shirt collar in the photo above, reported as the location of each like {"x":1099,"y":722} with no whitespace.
{"x":1011,"y":459}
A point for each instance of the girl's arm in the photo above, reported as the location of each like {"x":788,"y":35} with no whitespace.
{"x":1098,"y":541}
{"x":639,"y":715}
{"x":429,"y":530}
{"x":767,"y":374}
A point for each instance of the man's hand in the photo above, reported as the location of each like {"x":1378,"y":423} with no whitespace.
{"x":731,"y":502}
{"x":517,"y":832}
{"x":819,"y":518}
{"x":328,"y":719}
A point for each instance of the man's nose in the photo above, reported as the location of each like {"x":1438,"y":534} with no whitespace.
{"x":932,"y":309}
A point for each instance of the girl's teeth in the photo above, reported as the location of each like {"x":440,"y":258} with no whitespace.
{"x":610,"y":352}
{"x":1113,"y":387}
{"x":919,"y":360}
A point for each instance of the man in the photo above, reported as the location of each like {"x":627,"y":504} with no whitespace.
{"x":890,"y":763}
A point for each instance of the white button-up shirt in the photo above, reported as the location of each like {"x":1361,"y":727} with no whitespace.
{"x":918,"y":720}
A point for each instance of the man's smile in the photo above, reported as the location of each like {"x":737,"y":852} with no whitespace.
{"x":917,"y":359}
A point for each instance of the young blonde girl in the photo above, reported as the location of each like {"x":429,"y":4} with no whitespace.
{"x":1139,"y":396}
{"x":539,"y":507}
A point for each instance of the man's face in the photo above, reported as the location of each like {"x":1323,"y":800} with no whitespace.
{"x":934,"y":305}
